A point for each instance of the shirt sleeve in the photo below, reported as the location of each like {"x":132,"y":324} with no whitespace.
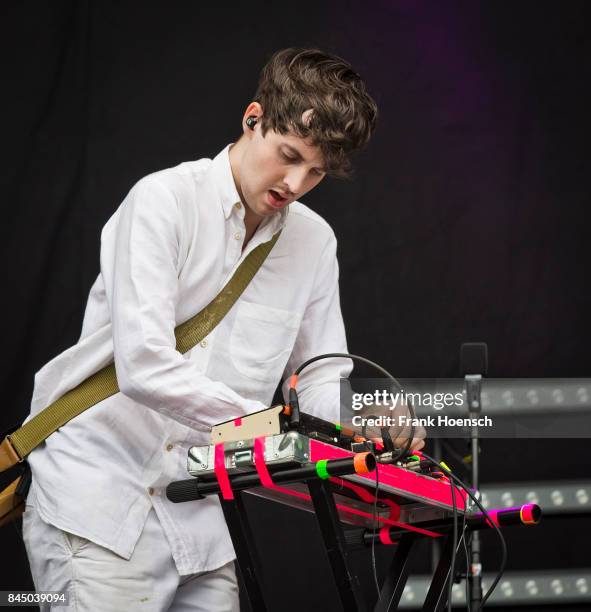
{"x":322,"y":331}
{"x":140,"y":264}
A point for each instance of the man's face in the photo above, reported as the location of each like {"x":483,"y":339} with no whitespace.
{"x":277,"y":169}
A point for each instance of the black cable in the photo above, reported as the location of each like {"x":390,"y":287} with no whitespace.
{"x":373,"y":539}
{"x":491,"y":522}
{"x":462,"y":540}
{"x":401,"y":453}
{"x":467,"y":592}
{"x":385,"y":372}
{"x":452,"y":567}
{"x":404,"y":450}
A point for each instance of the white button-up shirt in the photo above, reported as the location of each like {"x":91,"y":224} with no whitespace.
{"x":165,"y":254}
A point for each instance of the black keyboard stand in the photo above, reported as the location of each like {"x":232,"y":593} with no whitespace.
{"x":338,"y":551}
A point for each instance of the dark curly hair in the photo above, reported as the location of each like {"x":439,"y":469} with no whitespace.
{"x":343,"y":113}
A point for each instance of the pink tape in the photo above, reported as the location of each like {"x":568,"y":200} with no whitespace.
{"x":385,"y":535}
{"x":368,"y":497}
{"x":259,"y":462}
{"x":237,"y":421}
{"x":364,"y":494}
{"x":493,"y":517}
{"x":526,"y":514}
{"x":263,"y":471}
{"x":429,"y":488}
{"x":221,"y":472}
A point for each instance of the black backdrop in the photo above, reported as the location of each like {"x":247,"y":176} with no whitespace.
{"x":467,"y":219}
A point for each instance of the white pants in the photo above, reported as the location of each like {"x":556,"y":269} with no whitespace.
{"x":99,"y":580}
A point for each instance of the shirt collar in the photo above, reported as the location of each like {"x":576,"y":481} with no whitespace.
{"x":228,"y":194}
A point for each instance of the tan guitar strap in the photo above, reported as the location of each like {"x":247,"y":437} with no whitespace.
{"x":102,"y":384}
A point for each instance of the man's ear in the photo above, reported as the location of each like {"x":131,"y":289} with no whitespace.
{"x":253,"y":113}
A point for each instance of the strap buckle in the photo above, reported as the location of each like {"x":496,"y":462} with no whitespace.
{"x":8,"y":454}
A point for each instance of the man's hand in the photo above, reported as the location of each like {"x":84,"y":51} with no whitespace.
{"x":400,"y":435}
{"x":401,"y":440}
{"x":417,"y":442}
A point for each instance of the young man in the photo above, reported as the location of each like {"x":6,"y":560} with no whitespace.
{"x":98,"y":523}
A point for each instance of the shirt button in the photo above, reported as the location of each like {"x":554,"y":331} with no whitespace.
{"x":169,"y":447}
{"x":203,"y":343}
{"x":151,"y":490}
{"x":238,"y":236}
{"x":238,"y":205}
